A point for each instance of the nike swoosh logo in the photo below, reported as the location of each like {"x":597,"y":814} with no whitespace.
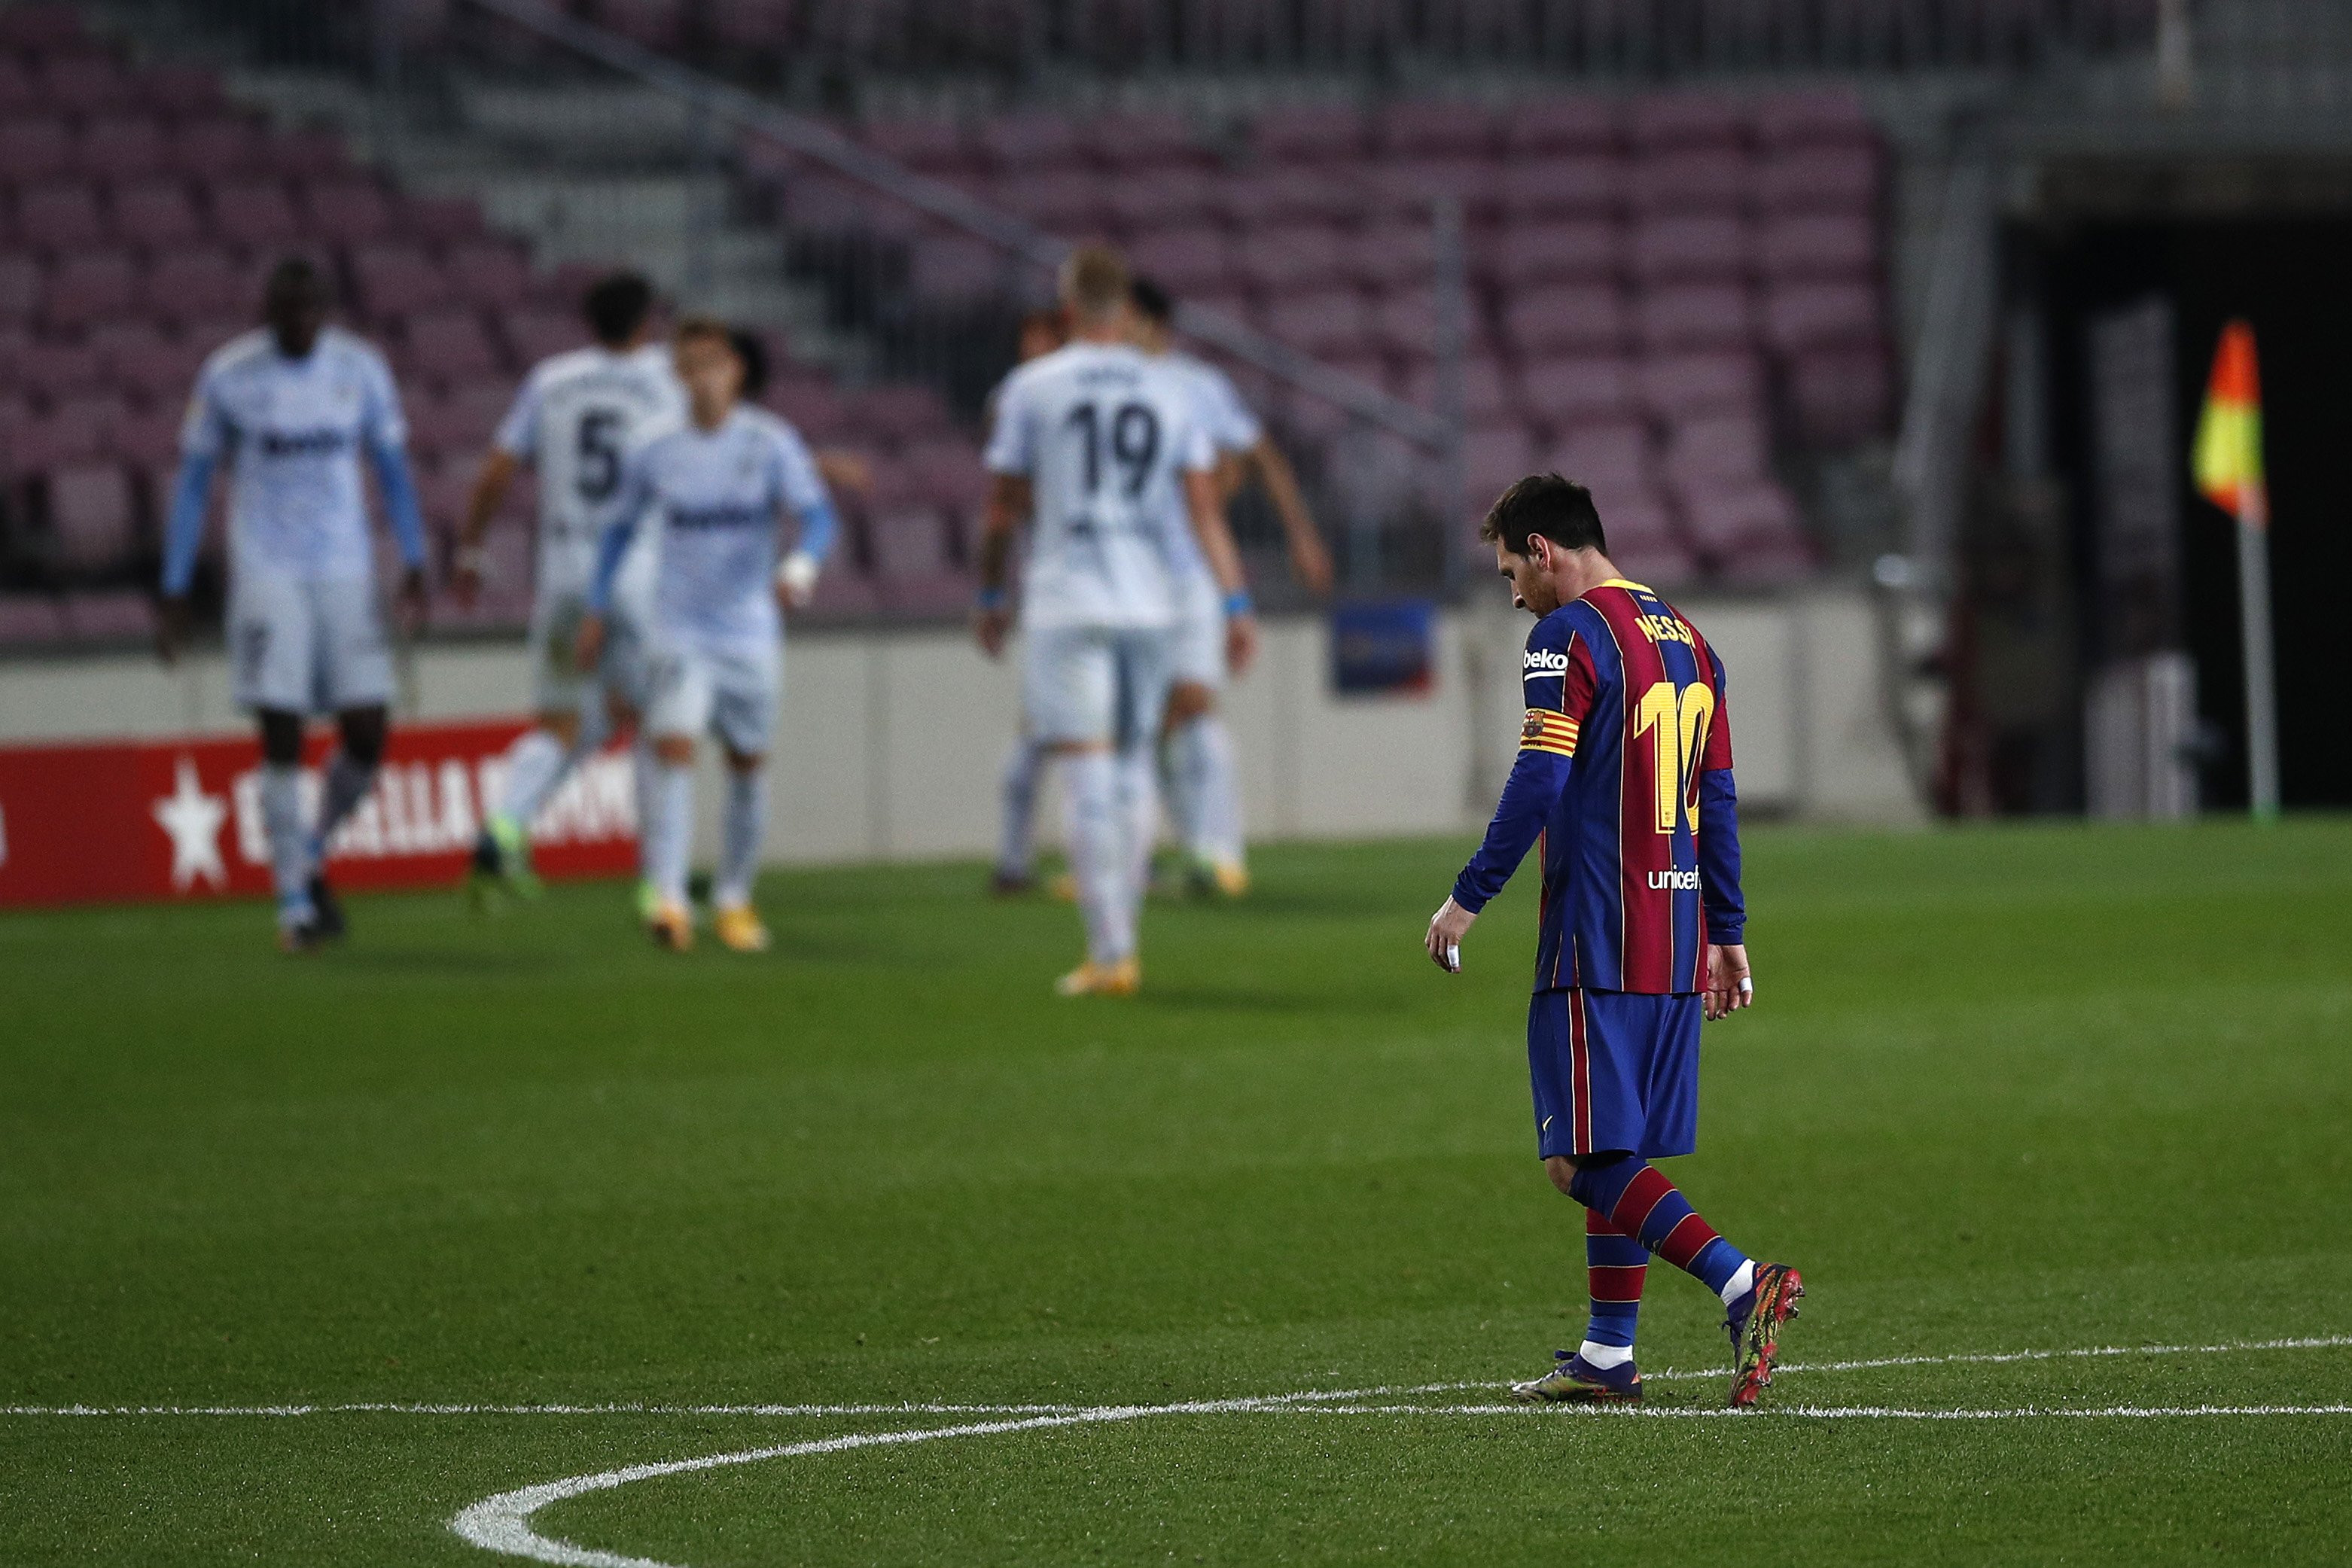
{"x":1546,"y":1123}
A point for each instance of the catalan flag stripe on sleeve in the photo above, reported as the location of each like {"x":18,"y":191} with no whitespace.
{"x":1548,"y":731}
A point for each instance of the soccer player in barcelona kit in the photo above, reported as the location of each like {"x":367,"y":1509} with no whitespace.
{"x":290,"y":408}
{"x":1623,"y":776}
{"x":1094,"y":443}
{"x":577,"y":418}
{"x":718,"y":488}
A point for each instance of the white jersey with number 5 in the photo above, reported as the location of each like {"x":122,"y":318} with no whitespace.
{"x":577,"y":420}
{"x":1104,"y":434}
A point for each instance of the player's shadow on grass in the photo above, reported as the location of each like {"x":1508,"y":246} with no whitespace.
{"x":451,"y":961}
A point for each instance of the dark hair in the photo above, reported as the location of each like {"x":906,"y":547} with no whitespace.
{"x":1560,"y":509}
{"x":1151,"y":302}
{"x":754,"y":354}
{"x":295,"y":272}
{"x":615,"y":306}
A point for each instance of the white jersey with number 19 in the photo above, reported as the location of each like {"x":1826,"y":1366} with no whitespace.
{"x":577,"y":420}
{"x":1104,"y":434}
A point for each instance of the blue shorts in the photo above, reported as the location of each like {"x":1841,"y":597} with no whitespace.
{"x":1614,"y":1070}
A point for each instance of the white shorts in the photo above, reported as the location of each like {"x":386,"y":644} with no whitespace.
{"x":306,"y":647}
{"x":1095,"y":684}
{"x":557,"y":685}
{"x":1199,"y":639}
{"x":701,"y":687}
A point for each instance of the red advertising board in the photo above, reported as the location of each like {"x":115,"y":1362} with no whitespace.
{"x":117,"y":820}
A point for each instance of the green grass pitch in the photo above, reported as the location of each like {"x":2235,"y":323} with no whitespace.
{"x":2041,"y":1089}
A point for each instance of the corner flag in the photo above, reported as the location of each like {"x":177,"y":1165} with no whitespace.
{"x":2228,"y":460}
{"x":2228,"y":467}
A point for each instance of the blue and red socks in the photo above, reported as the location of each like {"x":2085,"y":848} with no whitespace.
{"x":1616,"y":1265}
{"x":1641,"y":1203}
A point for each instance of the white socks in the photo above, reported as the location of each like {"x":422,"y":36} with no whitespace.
{"x":1098,"y":853}
{"x":1204,"y":795}
{"x":668,"y":834}
{"x":644,"y":779}
{"x":1605,"y":1356}
{"x":289,"y":841}
{"x":1741,"y":1283}
{"x":536,"y":764}
{"x":1016,"y":843}
{"x":1138,"y":819}
{"x":746,"y":825}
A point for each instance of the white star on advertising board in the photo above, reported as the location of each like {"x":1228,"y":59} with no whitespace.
{"x":194,"y":820}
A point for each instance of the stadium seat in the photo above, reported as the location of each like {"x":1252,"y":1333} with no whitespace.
{"x":926,"y":146}
{"x":182,"y":90}
{"x":1490,"y":394}
{"x":1403,"y":324}
{"x":1032,"y":142}
{"x":255,"y":215}
{"x":348,"y":211}
{"x":1577,"y":250}
{"x":1788,"y":121}
{"x":1582,"y":185}
{"x":59,"y":216}
{"x":1495,"y":456}
{"x":1571,"y":318}
{"x":147,"y":439}
{"x":1643,"y":540}
{"x":1186,"y":260}
{"x":216,"y":149}
{"x":758,"y":26}
{"x":1716,"y":249}
{"x":204,"y":283}
{"x":1391,"y":255}
{"x":439,"y":220}
{"x":1747,"y":532}
{"x":1066,"y":201}
{"x":20,"y":286}
{"x":394,"y":278}
{"x":1613,"y":460}
{"x":843,"y":593}
{"x":951,"y":270}
{"x":893,"y":412}
{"x":310,"y":152}
{"x":1140,"y":141}
{"x":1174,"y":199}
{"x":93,"y":519}
{"x":945,"y":470}
{"x":1292,"y":256}
{"x":1827,"y":245}
{"x":19,"y":93}
{"x":1716,"y":449}
{"x":1287,"y":195}
{"x":1563,"y":393}
{"x":656,"y":24}
{"x":85,"y":83}
{"x":54,"y":368}
{"x":1802,"y":316}
{"x":535,"y":333}
{"x":1695,"y":316}
{"x":153,"y":214}
{"x":118,"y":149}
{"x":43,"y":26}
{"x":811,"y":406}
{"x":1435,"y":129}
{"x":1838,"y":179}
{"x":447,"y":346}
{"x":1673,"y":387}
{"x":1664,"y":121}
{"x":491,"y":273}
{"x":1546,"y":127}
{"x":30,"y":619}
{"x":1691,"y":179}
{"x":1317,"y":133}
{"x":35,"y":149}
{"x":1327,"y":322}
{"x":111,"y":615}
{"x":1840,"y":396}
{"x":1409,"y":190}
{"x":89,"y":286}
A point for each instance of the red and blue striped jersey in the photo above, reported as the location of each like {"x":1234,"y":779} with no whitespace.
{"x":1624,"y":775}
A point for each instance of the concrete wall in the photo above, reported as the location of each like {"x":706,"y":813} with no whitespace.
{"x":890,"y":743}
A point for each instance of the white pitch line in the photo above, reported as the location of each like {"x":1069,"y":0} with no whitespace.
{"x":502,"y":1523}
{"x":1663,"y":1374}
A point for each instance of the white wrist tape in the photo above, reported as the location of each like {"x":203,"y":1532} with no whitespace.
{"x":798,"y":573}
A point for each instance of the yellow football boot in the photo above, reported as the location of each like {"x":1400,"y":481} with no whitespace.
{"x":1232,"y":878}
{"x":1123,"y":977}
{"x":738,"y":928}
{"x":671,"y":925}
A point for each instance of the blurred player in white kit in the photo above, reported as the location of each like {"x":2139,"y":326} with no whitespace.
{"x":717,"y":490}
{"x":290,"y":408}
{"x":1101,"y":450}
{"x":576,"y":421}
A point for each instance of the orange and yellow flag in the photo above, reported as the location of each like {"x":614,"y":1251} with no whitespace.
{"x":2228,"y":462}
